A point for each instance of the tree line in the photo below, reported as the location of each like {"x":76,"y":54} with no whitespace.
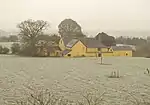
{"x":11,"y":38}
{"x":32,"y":31}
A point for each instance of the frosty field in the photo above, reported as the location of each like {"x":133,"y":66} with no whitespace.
{"x":74,"y":73}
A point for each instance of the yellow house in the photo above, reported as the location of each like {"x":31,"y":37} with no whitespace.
{"x":90,"y":47}
{"x":122,"y":51}
{"x":107,"y":51}
{"x":87,"y":47}
{"x":75,"y":48}
{"x":95,"y":48}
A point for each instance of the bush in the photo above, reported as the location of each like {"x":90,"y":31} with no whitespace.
{"x":4,"y":50}
{"x":15,"y":48}
{"x":50,"y":97}
{"x":1,"y":49}
{"x":28,"y":51}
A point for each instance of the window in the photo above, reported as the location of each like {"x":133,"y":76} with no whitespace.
{"x":99,"y":49}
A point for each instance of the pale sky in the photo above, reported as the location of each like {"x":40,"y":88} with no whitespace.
{"x":90,"y":14}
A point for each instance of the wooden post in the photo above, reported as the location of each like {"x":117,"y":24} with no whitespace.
{"x":101,"y":59}
{"x":100,"y":55}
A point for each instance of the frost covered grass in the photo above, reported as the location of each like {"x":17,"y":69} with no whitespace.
{"x":74,"y":76}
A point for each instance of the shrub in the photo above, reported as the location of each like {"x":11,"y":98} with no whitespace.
{"x":5,"y":50}
{"x":1,"y":49}
{"x":15,"y":48}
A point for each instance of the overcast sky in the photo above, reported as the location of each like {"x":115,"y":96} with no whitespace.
{"x":90,"y":14}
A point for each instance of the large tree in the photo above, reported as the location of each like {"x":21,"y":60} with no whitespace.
{"x":106,"y":39}
{"x":69,"y":27}
{"x":29,"y":31}
{"x":53,"y":37}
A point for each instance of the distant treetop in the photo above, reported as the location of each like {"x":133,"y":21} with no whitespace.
{"x":69,"y":27}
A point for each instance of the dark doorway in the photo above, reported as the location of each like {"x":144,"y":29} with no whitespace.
{"x":99,"y":49}
{"x":69,"y":55}
{"x":99,"y":55}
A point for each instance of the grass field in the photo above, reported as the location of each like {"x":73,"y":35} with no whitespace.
{"x":74,"y":73}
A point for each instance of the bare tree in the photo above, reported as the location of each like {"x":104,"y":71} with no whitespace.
{"x":30,"y":30}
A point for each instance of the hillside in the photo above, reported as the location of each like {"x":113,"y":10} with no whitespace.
{"x":3,"y":33}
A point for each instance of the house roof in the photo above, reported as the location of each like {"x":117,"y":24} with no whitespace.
{"x":66,"y":40}
{"x":118,"y":48}
{"x":66,"y":51}
{"x":88,"y":42}
{"x":92,"y":43}
{"x":132,"y":46}
{"x":72,"y":43}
